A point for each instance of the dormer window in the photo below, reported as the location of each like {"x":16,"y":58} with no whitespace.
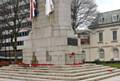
{"x":115,"y":18}
{"x":102,"y":19}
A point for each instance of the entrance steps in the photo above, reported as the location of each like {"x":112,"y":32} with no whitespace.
{"x":85,"y":72}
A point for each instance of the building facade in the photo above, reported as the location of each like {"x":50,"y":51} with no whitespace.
{"x":7,"y":29}
{"x":104,"y":38}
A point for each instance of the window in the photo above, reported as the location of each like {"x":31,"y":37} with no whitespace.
{"x":100,"y":36}
{"x":115,"y":18}
{"x":19,"y":43}
{"x":10,"y":53}
{"x":101,"y":53}
{"x":115,"y":53}
{"x":114,"y":35}
{"x":85,"y":40}
{"x":23,"y":34}
{"x":102,"y":19}
{"x":72,"y":41}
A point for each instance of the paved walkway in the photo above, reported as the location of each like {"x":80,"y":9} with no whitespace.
{"x":116,"y":78}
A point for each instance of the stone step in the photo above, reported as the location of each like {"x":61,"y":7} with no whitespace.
{"x":78,"y":73}
{"x":5,"y":79}
{"x":59,"y":74}
{"x":102,"y":77}
{"x":90,"y":72}
{"x":59,"y":77}
{"x":87,"y":72}
{"x":67,"y":68}
{"x":71,"y":71}
{"x":96,"y":74}
{"x":53,"y":67}
{"x":60,"y":71}
{"x":23,"y":78}
{"x":57,"y":69}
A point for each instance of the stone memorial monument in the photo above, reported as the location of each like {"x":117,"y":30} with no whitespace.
{"x":52,"y":38}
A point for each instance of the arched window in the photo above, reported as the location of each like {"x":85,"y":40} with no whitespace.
{"x":101,"y":53}
{"x":83,"y":52}
{"x":115,"y":53}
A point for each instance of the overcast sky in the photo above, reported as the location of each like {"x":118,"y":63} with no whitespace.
{"x":108,"y":5}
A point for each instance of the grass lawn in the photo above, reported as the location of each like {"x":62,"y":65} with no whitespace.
{"x":117,"y":65}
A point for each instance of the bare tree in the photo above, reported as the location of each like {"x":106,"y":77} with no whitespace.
{"x":83,"y":12}
{"x":13,"y":17}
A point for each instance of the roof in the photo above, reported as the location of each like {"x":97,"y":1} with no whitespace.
{"x":106,"y":19}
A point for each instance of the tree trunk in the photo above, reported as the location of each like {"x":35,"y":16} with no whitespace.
{"x":15,"y":48}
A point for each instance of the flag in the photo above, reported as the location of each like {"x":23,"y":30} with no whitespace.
{"x":33,"y":9}
{"x":49,"y":6}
